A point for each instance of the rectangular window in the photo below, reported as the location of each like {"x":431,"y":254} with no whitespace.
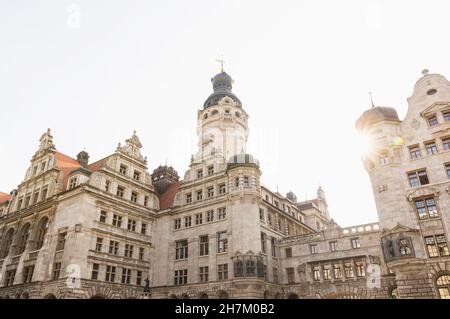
{"x":126,"y":275}
{"x":143,"y":228}
{"x":204,"y":245}
{"x":199,"y":219}
{"x":181,"y":249}
{"x":43,"y":164}
{"x":200,"y":173}
{"x":337,"y":271}
{"x":418,"y":178}
{"x":73,"y":182}
{"x":436,"y":246}
{"x":432,"y":120}
{"x":222,"y":272}
{"x":326,"y":274}
{"x":123,"y":169}
{"x":236,"y":182}
{"x":131,"y":225}
{"x":446,"y":115}
{"x":110,"y":274}
{"x":28,"y":273}
{"x":141,"y":253}
{"x":360,"y":269}
{"x":222,"y":242}
{"x":288,"y":252}
{"x":348,"y":268}
{"x":204,"y":273}
{"x":431,"y":148}
{"x":199,"y":195}
{"x":221,"y":213}
{"x":117,"y":220}
{"x":290,"y":275}
{"x":145,"y":200}
{"x":261,"y":215}
{"x":134,"y":197}
{"x":316,"y":273}
{"x":210,"y":170}
{"x":56,"y":270}
{"x":27,"y":200}
{"x":187,"y":221}
{"x":138,"y":278}
{"x":19,"y":203}
{"x":222,"y":189}
{"x":120,"y":191}
{"x":107,"y":186}
{"x":263,"y":243}
{"x":414,"y":152}
{"x":269,"y":219}
{"x":137,"y":175}
{"x":246,"y":181}
{"x":10,"y":274}
{"x":103,"y":216}
{"x":61,"y":241}
{"x":35,"y":197}
{"x":180,"y":277}
{"x":129,"y":250}
{"x":272,"y":247}
{"x":275,"y":274}
{"x":188,"y":198}
{"x":384,"y":159}
{"x":210,"y":216}
{"x":426,"y":208}
{"x":446,"y":143}
{"x":333,"y":245}
{"x":99,"y":244}
{"x":210,"y":192}
{"x":113,"y":247}
{"x":447,"y":169}
{"x":313,"y":249}
{"x":95,"y":270}
{"x":44,"y":193}
{"x":177,"y":223}
{"x":35,"y":170}
{"x":355,"y":243}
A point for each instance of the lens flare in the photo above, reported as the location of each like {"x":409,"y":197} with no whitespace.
{"x":364,"y":144}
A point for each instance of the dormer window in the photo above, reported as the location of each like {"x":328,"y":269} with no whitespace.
{"x":227,"y":111}
{"x":432,"y":120}
{"x":431,"y":91}
{"x":123,"y":169}
{"x":200,"y":173}
{"x":43,"y":166}
{"x":73,"y":182}
{"x":137,"y":175}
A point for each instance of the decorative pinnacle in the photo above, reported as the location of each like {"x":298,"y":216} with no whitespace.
{"x":425,"y":72}
{"x":371,"y":99}
{"x":221,"y":61}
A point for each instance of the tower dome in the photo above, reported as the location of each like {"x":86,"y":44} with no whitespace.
{"x":376,"y":114}
{"x":242,"y":159}
{"x":222,"y":84}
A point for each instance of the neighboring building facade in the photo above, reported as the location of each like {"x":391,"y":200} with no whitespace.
{"x":110,"y":229}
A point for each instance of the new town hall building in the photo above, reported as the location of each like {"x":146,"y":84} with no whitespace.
{"x":111,"y":229}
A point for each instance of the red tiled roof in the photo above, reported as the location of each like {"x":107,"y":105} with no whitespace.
{"x":166,"y":199}
{"x":97,"y":165}
{"x":66,"y":164}
{"x":4,"y":197}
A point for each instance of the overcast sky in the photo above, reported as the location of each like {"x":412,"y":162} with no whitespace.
{"x":94,"y":71}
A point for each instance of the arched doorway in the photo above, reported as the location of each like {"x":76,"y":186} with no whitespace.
{"x":292,"y":296}
{"x":172,"y":296}
{"x":49,"y":296}
{"x":222,"y":294}
{"x":203,"y":295}
{"x":98,"y":297}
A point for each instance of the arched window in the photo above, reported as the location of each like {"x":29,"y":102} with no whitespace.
{"x":222,"y":295}
{"x":214,"y":112}
{"x":23,"y":238}
{"x":42,"y":231}
{"x":203,"y":295}
{"x":292,"y":296}
{"x":443,"y":286}
{"x":7,"y":243}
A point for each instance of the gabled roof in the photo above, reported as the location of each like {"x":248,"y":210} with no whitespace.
{"x":63,"y":161}
{"x":98,"y":164}
{"x":4,"y":197}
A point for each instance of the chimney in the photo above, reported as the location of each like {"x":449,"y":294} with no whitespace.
{"x":83,"y":159}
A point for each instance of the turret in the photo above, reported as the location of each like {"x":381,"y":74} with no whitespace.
{"x":163,"y":177}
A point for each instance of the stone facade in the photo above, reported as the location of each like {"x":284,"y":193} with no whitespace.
{"x":111,"y":229}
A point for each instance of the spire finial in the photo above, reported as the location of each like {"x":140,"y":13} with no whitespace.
{"x":221,"y":61}
{"x":371,"y":99}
